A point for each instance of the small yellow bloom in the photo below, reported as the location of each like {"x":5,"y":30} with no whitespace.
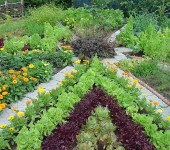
{"x":4,"y":93}
{"x":135,"y":81}
{"x":25,"y":79}
{"x":74,"y":71}
{"x":87,"y":61}
{"x":31,"y":66}
{"x":46,"y":71}
{"x":24,"y":69}
{"x":14,"y":82}
{"x":160,"y":111}
{"x":60,"y":84}
{"x":168,"y":118}
{"x":11,"y":71}
{"x":144,"y":95}
{"x":77,"y":61}
{"x":25,"y":74}
{"x":2,"y":126}
{"x":1,"y":97}
{"x":11,"y":129}
{"x":1,"y":49}
{"x":1,"y":74}
{"x":41,"y":90}
{"x":20,"y":114}
{"x":10,"y":118}
{"x":129,"y":86}
{"x":45,"y":64}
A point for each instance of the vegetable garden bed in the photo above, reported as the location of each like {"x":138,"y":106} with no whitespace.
{"x":67,"y":99}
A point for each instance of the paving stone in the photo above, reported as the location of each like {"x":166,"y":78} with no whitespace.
{"x":123,"y":50}
{"x":21,"y":105}
{"x":50,"y":85}
{"x":58,"y":77}
{"x":67,"y":69}
{"x":31,"y":95}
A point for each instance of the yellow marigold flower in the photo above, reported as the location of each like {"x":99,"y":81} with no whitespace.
{"x":11,"y":129}
{"x":77,"y":61}
{"x":25,"y":74}
{"x":168,"y":118}
{"x":67,"y":73}
{"x":160,"y":111}
{"x":111,"y":70}
{"x":3,"y":105}
{"x":14,"y":108}
{"x":129,"y":86}
{"x":2,"y":126}
{"x":116,"y":63}
{"x":31,"y":66}
{"x":46,"y":71}
{"x":71,"y":76}
{"x":20,"y":114}
{"x":11,"y":71}
{"x":138,"y":86}
{"x":1,"y":97}
{"x":28,"y":102}
{"x":0,"y":108}
{"x":4,"y":93}
{"x":14,"y":82}
{"x":41,"y":90}
{"x":60,"y":84}
{"x":45,"y":64}
{"x":74,"y":71}
{"x":10,"y":118}
{"x":25,"y":79}
{"x":24,"y":69}
{"x":144,"y":95}
{"x":18,"y":72}
{"x":135,"y":81}
{"x":1,"y":49}
{"x":87,"y":61}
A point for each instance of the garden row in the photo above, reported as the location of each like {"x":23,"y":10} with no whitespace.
{"x":37,"y":122}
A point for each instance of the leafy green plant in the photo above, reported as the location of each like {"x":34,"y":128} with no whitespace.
{"x":126,"y":36}
{"x":95,"y":132}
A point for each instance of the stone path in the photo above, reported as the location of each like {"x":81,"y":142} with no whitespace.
{"x":21,"y":105}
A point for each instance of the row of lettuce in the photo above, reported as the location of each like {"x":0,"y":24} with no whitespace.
{"x":59,"y":103}
{"x":151,"y":41}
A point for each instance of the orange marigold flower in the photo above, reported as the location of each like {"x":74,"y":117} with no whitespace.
{"x":1,"y":97}
{"x":25,"y":79}
{"x":28,"y":102}
{"x":155,"y":103}
{"x":14,"y":77}
{"x":3,"y":105}
{"x":18,"y":72}
{"x":150,"y":101}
